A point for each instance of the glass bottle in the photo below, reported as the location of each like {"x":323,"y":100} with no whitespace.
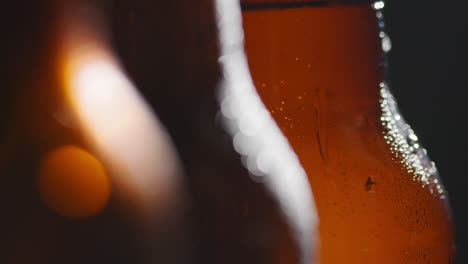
{"x":319,"y":67}
{"x":89,"y":174}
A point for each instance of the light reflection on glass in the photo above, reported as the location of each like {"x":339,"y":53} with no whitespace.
{"x":116,"y":121}
{"x":265,"y":151}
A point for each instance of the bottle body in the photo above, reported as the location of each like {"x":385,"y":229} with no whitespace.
{"x":318,"y":69}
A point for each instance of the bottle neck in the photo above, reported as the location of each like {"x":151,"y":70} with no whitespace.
{"x":331,"y":55}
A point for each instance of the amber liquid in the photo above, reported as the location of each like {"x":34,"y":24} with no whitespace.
{"x":317,"y":71}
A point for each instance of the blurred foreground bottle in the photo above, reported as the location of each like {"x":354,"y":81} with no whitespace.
{"x":319,"y":68}
{"x":89,"y":174}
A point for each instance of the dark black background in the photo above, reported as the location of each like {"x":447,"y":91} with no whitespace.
{"x":429,"y":76}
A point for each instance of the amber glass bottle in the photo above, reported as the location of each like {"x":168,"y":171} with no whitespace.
{"x":319,"y":68}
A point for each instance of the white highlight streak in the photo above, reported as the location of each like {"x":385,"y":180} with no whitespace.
{"x":121,"y":127}
{"x":265,"y":150}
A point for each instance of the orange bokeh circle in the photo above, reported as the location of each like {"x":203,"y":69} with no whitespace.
{"x":73,"y":183}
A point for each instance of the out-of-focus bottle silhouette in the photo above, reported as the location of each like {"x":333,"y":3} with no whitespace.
{"x":115,"y":147}
{"x":319,"y":68}
{"x":89,"y":175}
{"x":177,"y":54}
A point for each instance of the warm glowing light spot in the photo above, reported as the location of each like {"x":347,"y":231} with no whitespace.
{"x":73,"y":183}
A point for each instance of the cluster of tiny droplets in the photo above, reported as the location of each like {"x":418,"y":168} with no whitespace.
{"x":385,"y":40}
{"x":405,"y":147}
{"x":398,"y":134}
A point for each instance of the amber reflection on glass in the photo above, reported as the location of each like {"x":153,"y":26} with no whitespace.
{"x":72,"y":182}
{"x":316,"y":69}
